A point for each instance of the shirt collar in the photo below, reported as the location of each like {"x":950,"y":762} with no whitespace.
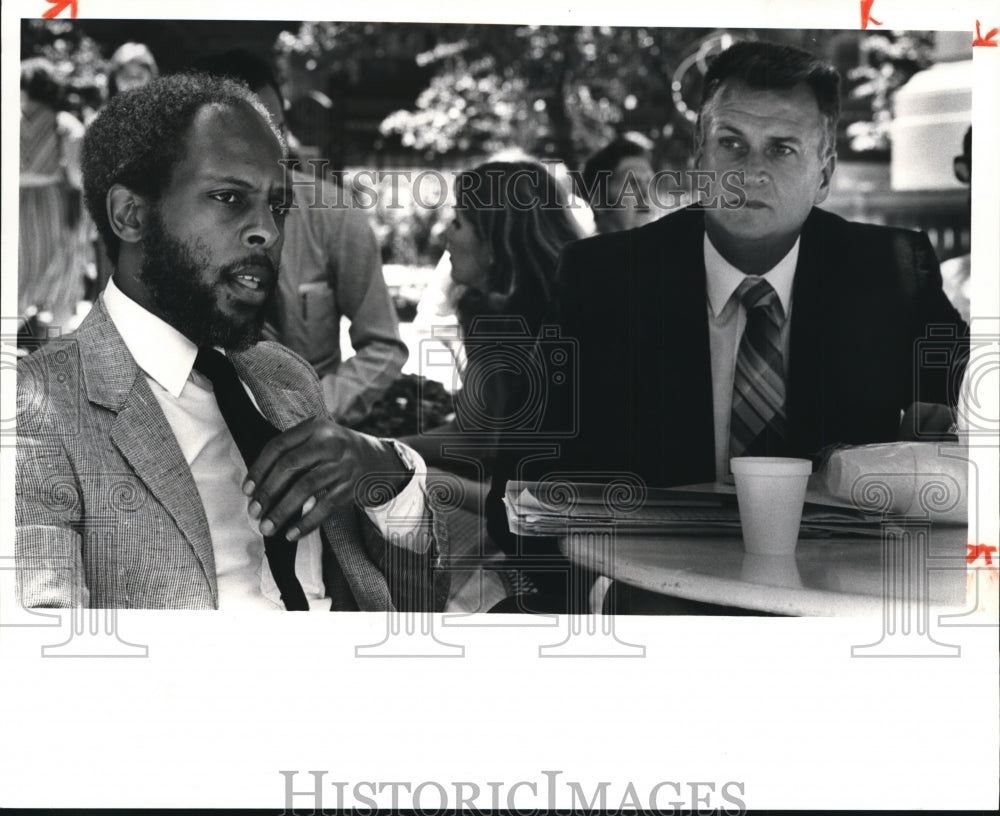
{"x":723,"y":278}
{"x":158,"y":348}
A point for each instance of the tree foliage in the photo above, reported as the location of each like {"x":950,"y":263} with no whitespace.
{"x":558,"y":92}
{"x":887,"y":62}
{"x":555,"y":91}
{"x":77,"y":58}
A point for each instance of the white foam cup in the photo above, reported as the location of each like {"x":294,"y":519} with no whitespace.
{"x":770,"y":492}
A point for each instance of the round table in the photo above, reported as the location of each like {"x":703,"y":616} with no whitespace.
{"x":913,"y":568}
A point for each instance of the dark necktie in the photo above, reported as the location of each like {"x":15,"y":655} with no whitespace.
{"x":252,"y":432}
{"x":758,"y":426}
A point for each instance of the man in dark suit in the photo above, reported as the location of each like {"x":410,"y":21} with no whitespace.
{"x":166,"y":458}
{"x":753,"y":323}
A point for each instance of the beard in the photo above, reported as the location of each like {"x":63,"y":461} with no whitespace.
{"x":174,"y":273}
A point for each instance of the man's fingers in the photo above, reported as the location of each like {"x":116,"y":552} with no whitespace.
{"x":320,"y":512}
{"x":308,"y":472}
{"x":323,"y":484}
{"x":283,"y":444}
{"x":286,"y":471}
{"x":282,"y":504}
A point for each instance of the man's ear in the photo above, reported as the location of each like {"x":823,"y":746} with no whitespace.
{"x":127,"y":212}
{"x":826,"y":176}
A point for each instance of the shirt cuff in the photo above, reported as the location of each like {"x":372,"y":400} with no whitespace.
{"x":401,"y":520}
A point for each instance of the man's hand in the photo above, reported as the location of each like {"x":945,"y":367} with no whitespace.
{"x":927,"y":422}
{"x":311,"y":470}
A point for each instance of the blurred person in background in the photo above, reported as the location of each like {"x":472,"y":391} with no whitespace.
{"x":132,"y":66}
{"x":51,"y":250}
{"x":512,"y":219}
{"x":616,"y":182}
{"x":436,"y":319}
{"x":332,"y":269}
{"x":955,"y":272}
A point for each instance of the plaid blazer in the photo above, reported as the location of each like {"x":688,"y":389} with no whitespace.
{"x":109,"y":516}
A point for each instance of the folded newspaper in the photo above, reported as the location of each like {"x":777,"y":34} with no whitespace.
{"x":552,"y":508}
{"x":854,"y":492}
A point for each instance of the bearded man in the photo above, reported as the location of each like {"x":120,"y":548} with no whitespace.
{"x":166,"y":457}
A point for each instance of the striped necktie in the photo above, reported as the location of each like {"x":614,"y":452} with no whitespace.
{"x":758,"y":426}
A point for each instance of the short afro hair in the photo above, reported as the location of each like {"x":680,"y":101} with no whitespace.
{"x":139,"y":137}
{"x":771,"y":66}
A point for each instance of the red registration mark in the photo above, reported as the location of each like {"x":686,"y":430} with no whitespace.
{"x":58,"y":6}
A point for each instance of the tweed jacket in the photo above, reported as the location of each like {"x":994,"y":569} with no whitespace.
{"x":108,"y":514}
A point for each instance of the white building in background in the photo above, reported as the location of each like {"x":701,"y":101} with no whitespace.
{"x":931,"y":114}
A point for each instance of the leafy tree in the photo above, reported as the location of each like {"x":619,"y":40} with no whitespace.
{"x":77,"y":58}
{"x":887,"y":62}
{"x":555,"y":91}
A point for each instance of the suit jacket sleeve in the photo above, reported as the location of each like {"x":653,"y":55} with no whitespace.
{"x":370,"y":572}
{"x":417,"y":579}
{"x":48,"y":502}
{"x":941,"y":337}
{"x":409,"y":548}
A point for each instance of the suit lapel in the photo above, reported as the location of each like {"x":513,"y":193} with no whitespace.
{"x":681,"y":349}
{"x":811,"y":331}
{"x":142,"y":434}
{"x":276,"y":386}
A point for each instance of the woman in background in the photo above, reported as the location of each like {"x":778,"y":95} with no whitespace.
{"x":512,"y":219}
{"x":52,"y":248}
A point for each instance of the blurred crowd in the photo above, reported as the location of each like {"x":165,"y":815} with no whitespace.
{"x":61,"y":264}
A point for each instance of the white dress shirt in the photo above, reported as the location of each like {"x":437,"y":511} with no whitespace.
{"x":727,"y":318}
{"x":244,"y":580}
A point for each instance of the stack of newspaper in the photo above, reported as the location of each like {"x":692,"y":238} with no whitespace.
{"x":553,"y":508}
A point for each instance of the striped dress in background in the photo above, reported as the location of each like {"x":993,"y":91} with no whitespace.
{"x":51,"y":252}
